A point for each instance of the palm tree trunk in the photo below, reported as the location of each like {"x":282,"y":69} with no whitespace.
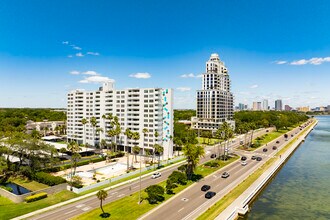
{"x":101,"y":206}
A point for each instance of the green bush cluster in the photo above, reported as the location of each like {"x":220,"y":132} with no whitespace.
{"x":212,"y":164}
{"x":48,"y":179}
{"x":36,"y":197}
{"x":7,"y":188}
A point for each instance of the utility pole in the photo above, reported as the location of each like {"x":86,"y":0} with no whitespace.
{"x":140,"y":182}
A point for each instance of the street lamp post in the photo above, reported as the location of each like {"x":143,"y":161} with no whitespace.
{"x":139,"y":202}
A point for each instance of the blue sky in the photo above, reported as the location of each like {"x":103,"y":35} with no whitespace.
{"x":273,"y":49}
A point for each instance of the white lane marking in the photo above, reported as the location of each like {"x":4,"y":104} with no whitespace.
{"x":79,"y":206}
{"x":70,"y":212}
{"x":180,"y":209}
{"x":114,"y":193}
{"x":135,"y":187}
{"x":86,"y":209}
{"x":121,"y":195}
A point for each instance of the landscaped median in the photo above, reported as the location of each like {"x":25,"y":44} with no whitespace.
{"x":128,"y":206}
{"x":223,"y":203}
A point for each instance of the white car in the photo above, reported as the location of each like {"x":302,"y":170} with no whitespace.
{"x":243,"y":163}
{"x":156,"y":175}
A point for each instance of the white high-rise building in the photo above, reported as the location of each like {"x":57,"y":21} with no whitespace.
{"x":215,"y":101}
{"x":136,"y":109}
{"x":265,"y":105}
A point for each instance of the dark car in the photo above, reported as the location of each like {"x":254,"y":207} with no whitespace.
{"x":266,"y":130}
{"x":291,"y":135}
{"x":210,"y":194}
{"x":213,"y":155}
{"x":277,"y":142}
{"x":274,"y":147}
{"x":264,"y":150}
{"x":243,"y":158}
{"x":205,"y":188}
{"x":225,"y":175}
{"x":253,"y":157}
{"x":259,"y":158}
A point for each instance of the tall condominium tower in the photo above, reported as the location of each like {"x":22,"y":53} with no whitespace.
{"x":278,"y":105}
{"x":215,"y":101}
{"x":136,"y":109}
{"x":265,"y":104}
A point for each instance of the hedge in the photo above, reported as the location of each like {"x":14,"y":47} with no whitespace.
{"x":36,"y":197}
{"x":48,"y":179}
{"x":7,"y":188}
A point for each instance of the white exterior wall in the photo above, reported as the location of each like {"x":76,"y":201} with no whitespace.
{"x":136,"y":109}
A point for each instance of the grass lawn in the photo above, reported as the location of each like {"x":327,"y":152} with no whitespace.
{"x":223,"y":203}
{"x":266,"y":138}
{"x":212,"y":141}
{"x":128,"y":207}
{"x":29,"y":184}
{"x":10,"y":210}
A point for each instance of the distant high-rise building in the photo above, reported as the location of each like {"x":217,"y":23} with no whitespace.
{"x":256,"y":106}
{"x":278,"y":105}
{"x":265,"y":105}
{"x":241,"y":106}
{"x":287,"y":108}
{"x":215,"y":102}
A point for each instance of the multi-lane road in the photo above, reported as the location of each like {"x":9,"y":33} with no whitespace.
{"x":84,"y":205}
{"x":191,"y":203}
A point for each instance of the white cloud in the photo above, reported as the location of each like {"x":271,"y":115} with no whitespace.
{"x":93,"y":53}
{"x":75,"y":72}
{"x":96,"y":79}
{"x":91,"y":73}
{"x":183,"y":89}
{"x":191,"y":75}
{"x":254,"y":86}
{"x":140,"y":75}
{"x":280,"y":62}
{"x":299,"y":62}
{"x":65,"y":42}
{"x":313,"y":61}
{"x":76,"y":48}
{"x":79,"y":54}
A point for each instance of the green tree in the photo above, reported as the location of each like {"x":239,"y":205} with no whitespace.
{"x":102,"y":195}
{"x":193,"y":154}
{"x":155,"y":194}
{"x":136,"y":151}
{"x":158,"y":151}
{"x":84,"y":122}
{"x":93,"y":123}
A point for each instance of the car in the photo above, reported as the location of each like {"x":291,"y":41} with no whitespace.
{"x":259,"y":158}
{"x":253,"y":157}
{"x":225,"y":175}
{"x":277,"y":142}
{"x":291,"y":135}
{"x":156,"y":175}
{"x":213,"y":155}
{"x":274,"y":147}
{"x":210,"y":194}
{"x":244,"y":163}
{"x":267,"y":131}
{"x":264,"y":150}
{"x":205,"y":188}
{"x":243,"y":158}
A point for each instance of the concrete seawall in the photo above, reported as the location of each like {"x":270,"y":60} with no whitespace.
{"x":241,"y":205}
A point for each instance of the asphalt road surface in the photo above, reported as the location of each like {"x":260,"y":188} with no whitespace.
{"x":191,"y":203}
{"x":84,"y":205}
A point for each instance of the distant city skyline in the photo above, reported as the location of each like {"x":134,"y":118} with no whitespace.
{"x":49,"y":48}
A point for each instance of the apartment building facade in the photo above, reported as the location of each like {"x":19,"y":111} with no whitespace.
{"x":136,"y":109}
{"x":215,"y":100}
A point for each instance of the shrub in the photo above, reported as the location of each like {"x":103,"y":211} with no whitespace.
{"x":76,"y":182}
{"x":212,"y":164}
{"x":36,"y":197}
{"x":178,"y":177}
{"x":48,"y":179}
{"x":7,"y":188}
{"x":155,"y":194}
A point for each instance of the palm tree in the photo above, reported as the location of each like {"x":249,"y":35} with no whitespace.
{"x":159,"y":151}
{"x":193,"y":154}
{"x":74,"y":148}
{"x":93,"y":122}
{"x":128,"y":134}
{"x":136,"y":151}
{"x":102,"y":195}
{"x":63,"y":150}
{"x":135,"y":137}
{"x":84,"y":122}
{"x":144,"y":131}
{"x":156,"y":141}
